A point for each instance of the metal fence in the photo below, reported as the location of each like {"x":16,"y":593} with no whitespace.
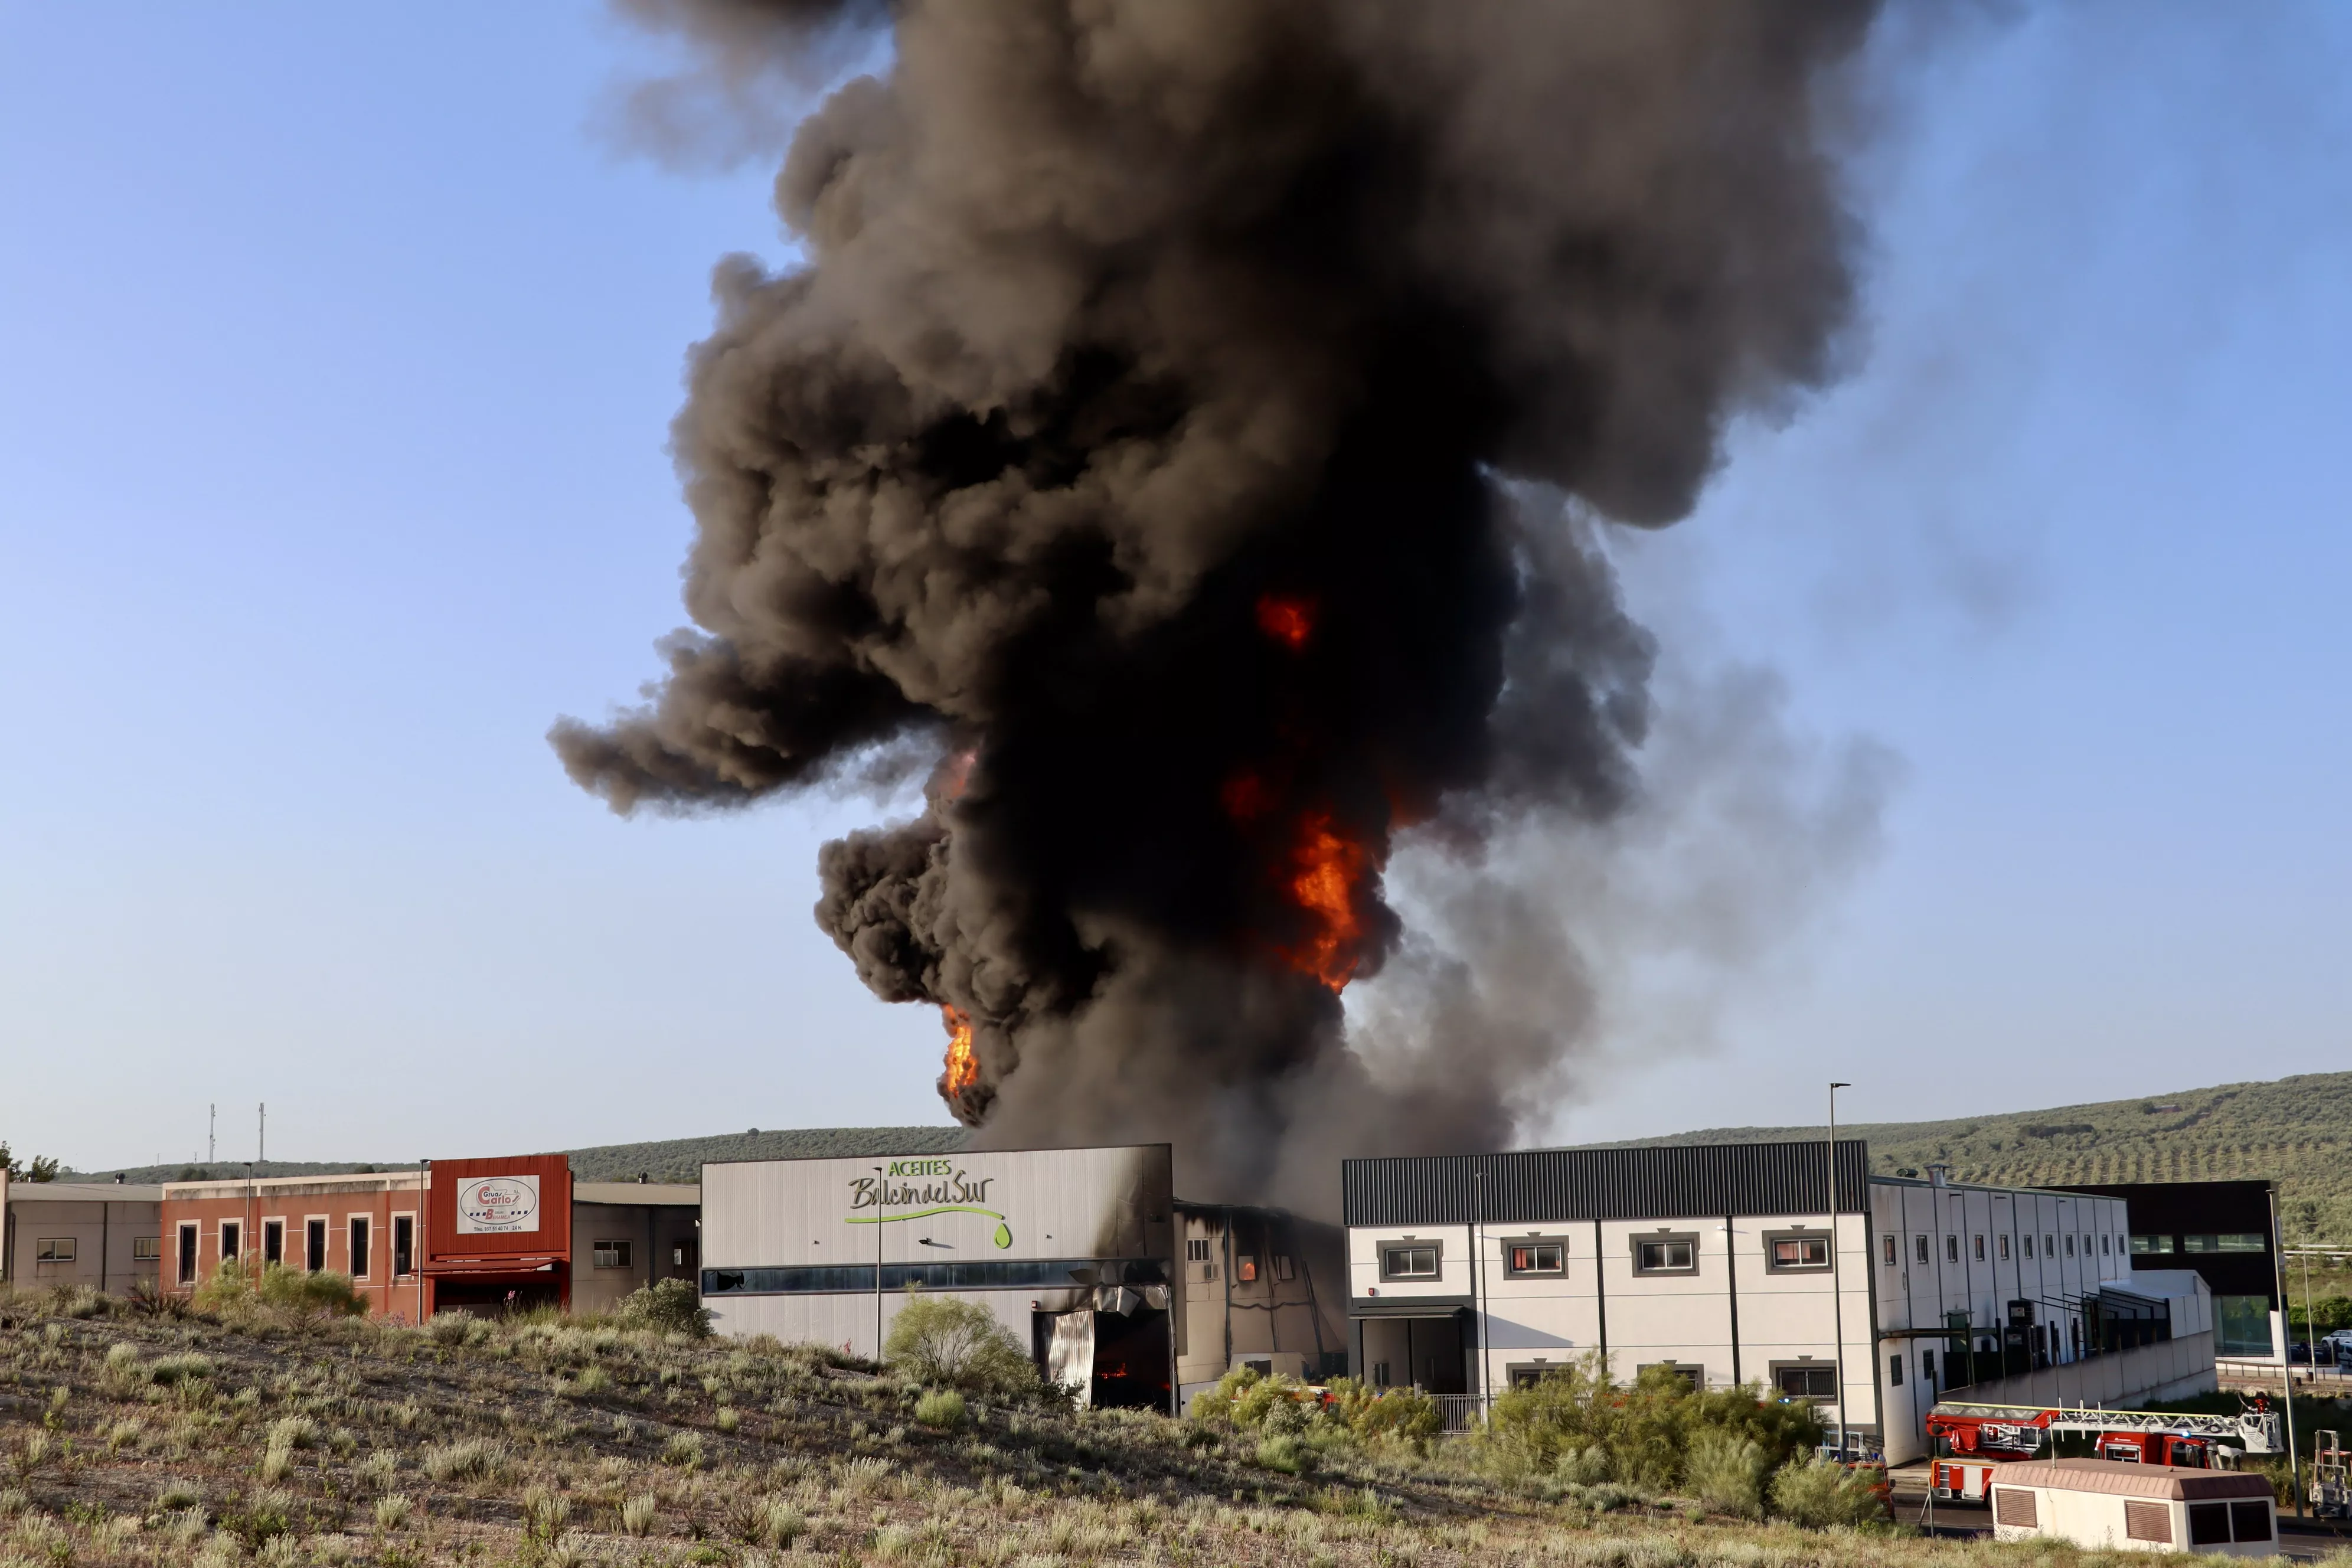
{"x":1456,"y":1413}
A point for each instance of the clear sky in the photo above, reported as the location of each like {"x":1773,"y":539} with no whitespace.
{"x":337,"y":348}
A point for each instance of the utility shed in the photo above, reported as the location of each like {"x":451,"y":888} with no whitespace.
{"x":2142,"y":1508}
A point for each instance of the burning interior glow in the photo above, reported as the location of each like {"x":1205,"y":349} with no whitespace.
{"x":1327,"y":869}
{"x":1287,"y":618}
{"x":963,"y":1068}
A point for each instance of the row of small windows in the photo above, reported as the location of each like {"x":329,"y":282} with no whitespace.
{"x":1539,"y":1258}
{"x":67,"y":1249}
{"x":358,"y":1246}
{"x":2049,"y":1247}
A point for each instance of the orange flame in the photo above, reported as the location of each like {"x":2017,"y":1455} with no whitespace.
{"x":1287,"y":620}
{"x":963,"y":1068}
{"x":1325,"y":871}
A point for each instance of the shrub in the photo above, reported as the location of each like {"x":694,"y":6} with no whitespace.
{"x":236,"y":1288}
{"x":177,"y":1495}
{"x":1286,"y":1454}
{"x":466,"y":1456}
{"x":638,"y":1516}
{"x":181,"y":1367}
{"x":668,"y":1307}
{"x":942,"y":1408}
{"x":1371,"y":1413}
{"x":684,"y":1449}
{"x":1817,"y":1493}
{"x":959,"y":1344}
{"x":1727,"y":1472}
{"x":1644,"y":1430}
{"x":779,"y":1523}
{"x":392,"y":1512}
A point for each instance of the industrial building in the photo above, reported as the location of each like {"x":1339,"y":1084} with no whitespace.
{"x":479,"y":1235}
{"x":106,"y":1236}
{"x":1733,"y":1264}
{"x":2224,"y":1232}
{"x":1079,"y":1253}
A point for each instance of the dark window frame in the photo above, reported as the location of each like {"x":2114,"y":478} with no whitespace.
{"x":273,"y":1241}
{"x":314,"y":1243}
{"x":187,"y":1247}
{"x":2209,"y":1524}
{"x":45,"y":1249}
{"x":359,"y":1238}
{"x":1511,"y":1271}
{"x":1666,"y":1238}
{"x":232,"y":1238}
{"x":1772,"y":1240}
{"x":1391,"y":1274}
{"x":1693,"y":1373}
{"x":1821,"y":1368}
{"x":146,"y":1249}
{"x":612,"y":1254}
{"x":403,"y":1246}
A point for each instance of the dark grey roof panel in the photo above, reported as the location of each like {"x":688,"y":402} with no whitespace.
{"x":1671,"y":1182}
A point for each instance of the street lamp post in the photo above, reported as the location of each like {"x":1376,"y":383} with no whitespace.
{"x":881,"y":1201}
{"x":1837,"y":1299}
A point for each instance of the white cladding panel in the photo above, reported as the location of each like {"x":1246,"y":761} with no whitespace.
{"x":974,"y":1207}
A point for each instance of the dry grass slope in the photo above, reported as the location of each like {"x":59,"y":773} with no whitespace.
{"x":555,"y":1443}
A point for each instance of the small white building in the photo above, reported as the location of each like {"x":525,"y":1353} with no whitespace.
{"x":107,"y":1236}
{"x":1468,"y":1274}
{"x":2102,"y":1504}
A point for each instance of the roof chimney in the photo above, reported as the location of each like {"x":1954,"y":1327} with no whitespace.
{"x":1939,"y":1174}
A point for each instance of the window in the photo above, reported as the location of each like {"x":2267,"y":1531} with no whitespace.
{"x":54,"y":1249}
{"x":2104,"y":1248}
{"x":2143,"y":1246}
{"x":1890,"y":1252}
{"x":1951,"y":1249}
{"x":1416,"y":1260}
{"x":273,"y":1241}
{"x":1691,"y":1373}
{"x":2242,"y":1325}
{"x":1796,"y":1254}
{"x":232,"y":1239}
{"x":146,"y":1249}
{"x":1805,"y":1379}
{"x":358,"y":1249}
{"x":2004,"y":1249}
{"x":403,"y":1245}
{"x":2249,"y":1520}
{"x":2028,"y":1245}
{"x":1283,"y":1267}
{"x":1979,"y":1246}
{"x":187,"y":1275}
{"x":2209,"y":1524}
{"x":2070,"y":1244}
{"x":2014,"y":1505}
{"x":314,"y":1244}
{"x":1895,"y":1372}
{"x":1927,"y":1367}
{"x":1196,"y":1250}
{"x":611,"y":1255}
{"x":1665,"y":1255}
{"x":1528,"y":1376}
{"x":1922,"y":1248}
{"x":1380,"y":1374}
{"x":1523,"y":1259}
{"x":2149,"y":1521}
{"x":2049,"y":1247}
{"x":1246,"y":1269}
{"x":2246,"y":1241}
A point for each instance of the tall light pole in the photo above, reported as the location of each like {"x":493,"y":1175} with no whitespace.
{"x":881,"y":1199}
{"x":2286,"y":1372}
{"x":1837,"y":1300}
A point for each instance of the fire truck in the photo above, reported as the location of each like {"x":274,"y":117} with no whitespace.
{"x":1974,"y":1440}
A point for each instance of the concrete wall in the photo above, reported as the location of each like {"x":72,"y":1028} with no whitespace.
{"x":2174,"y":1369}
{"x":104,"y":1223}
{"x":662,"y":1240}
{"x":1286,"y":1320}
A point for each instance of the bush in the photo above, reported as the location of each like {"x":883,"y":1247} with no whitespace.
{"x":1368,"y":1413}
{"x":1727,"y":1472}
{"x":941,"y":1408}
{"x":1286,"y":1454}
{"x":1645,"y":1431}
{"x":956,"y":1344}
{"x":669,"y":1307}
{"x":235,"y":1289}
{"x":1818,"y":1493}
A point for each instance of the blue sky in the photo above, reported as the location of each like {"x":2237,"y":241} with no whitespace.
{"x":338,"y":349}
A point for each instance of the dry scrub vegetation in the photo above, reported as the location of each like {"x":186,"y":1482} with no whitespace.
{"x":284,"y":1437}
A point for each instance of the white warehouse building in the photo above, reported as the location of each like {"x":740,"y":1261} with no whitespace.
{"x":1469,"y":1274}
{"x":1116,"y":1287}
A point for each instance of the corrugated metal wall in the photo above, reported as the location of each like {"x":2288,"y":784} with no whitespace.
{"x":1683,"y":1181}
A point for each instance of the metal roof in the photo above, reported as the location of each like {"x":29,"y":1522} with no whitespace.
{"x":2172,"y":1482}
{"x":1688,"y":1181}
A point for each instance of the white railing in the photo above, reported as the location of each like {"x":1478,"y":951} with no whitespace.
{"x":1457,"y":1413}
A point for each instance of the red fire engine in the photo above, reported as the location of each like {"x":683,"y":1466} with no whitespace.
{"x":1975,"y":1439}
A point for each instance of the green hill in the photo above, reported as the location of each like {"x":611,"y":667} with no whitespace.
{"x":672,"y":1159}
{"x":2297,"y":1129}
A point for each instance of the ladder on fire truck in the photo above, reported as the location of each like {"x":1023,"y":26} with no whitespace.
{"x":2257,"y":1429}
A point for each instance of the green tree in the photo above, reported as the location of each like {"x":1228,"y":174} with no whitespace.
{"x":956,"y":1344}
{"x":40,"y":1168}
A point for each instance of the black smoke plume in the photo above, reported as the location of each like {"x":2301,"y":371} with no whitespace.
{"x":1147,"y":445}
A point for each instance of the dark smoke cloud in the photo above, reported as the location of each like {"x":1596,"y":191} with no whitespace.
{"x":1134,"y":441}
